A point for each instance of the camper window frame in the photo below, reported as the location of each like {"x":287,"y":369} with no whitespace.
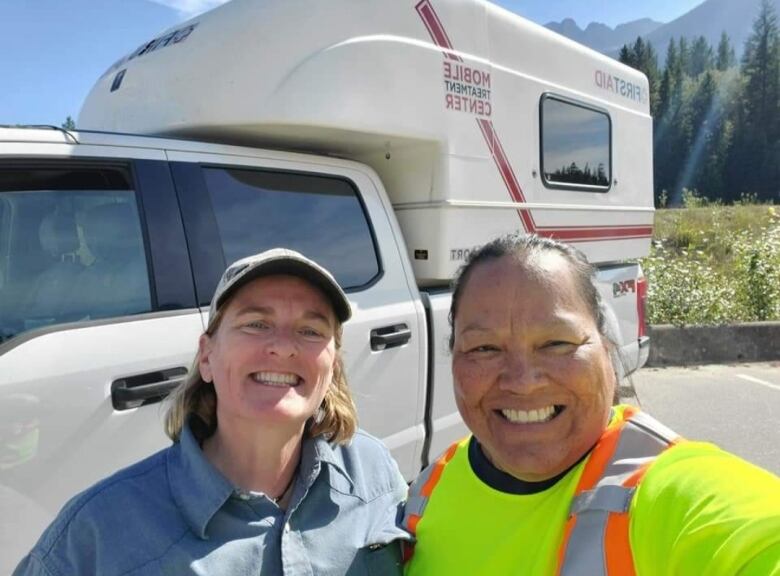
{"x":574,"y":187}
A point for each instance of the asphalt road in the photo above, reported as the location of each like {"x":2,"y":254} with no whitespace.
{"x":737,"y":406}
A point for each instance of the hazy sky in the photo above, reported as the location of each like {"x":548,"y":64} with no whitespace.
{"x":52,"y":51}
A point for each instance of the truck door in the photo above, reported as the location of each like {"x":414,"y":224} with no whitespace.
{"x":97,"y":321}
{"x":334,"y":214}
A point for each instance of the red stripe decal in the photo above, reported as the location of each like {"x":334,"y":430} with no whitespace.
{"x":505,"y":169}
{"x":568,"y":233}
{"x":435,"y":29}
{"x":582,"y":234}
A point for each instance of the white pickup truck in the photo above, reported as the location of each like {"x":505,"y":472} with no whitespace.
{"x":383,"y":138}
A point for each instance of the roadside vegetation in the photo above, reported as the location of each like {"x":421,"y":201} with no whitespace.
{"x":714,"y":264}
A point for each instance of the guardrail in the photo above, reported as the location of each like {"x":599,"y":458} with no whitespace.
{"x":681,"y":346}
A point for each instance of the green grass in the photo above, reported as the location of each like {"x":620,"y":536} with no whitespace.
{"x":713,"y":264}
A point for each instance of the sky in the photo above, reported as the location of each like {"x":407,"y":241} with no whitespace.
{"x":52,"y":51}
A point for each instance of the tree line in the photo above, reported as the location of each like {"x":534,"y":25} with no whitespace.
{"x":716,"y":121}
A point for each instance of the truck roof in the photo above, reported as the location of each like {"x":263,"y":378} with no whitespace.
{"x":45,"y":134}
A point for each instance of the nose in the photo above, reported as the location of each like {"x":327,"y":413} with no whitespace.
{"x":282,"y":343}
{"x":520,"y":374}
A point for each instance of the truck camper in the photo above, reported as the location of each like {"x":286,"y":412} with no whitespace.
{"x":384,"y":138}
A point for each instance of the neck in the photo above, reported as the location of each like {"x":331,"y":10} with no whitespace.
{"x":256,"y":459}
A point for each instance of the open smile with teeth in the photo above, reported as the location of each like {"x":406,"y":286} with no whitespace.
{"x":276,"y":379}
{"x":538,"y":416}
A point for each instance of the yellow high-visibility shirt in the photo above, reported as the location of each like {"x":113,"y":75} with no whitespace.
{"x":697,"y":511}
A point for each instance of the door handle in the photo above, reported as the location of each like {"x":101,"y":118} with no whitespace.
{"x":143,"y":389}
{"x":390,"y":337}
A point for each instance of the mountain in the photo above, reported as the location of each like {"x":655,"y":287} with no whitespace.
{"x":600,"y":36}
{"x":708,"y":19}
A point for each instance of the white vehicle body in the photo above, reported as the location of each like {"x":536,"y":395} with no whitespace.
{"x":443,"y":122}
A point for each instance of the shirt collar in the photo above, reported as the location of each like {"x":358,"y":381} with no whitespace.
{"x":317,"y":451}
{"x":200,"y":490}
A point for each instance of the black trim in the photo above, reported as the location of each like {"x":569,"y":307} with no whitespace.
{"x":69,"y":166}
{"x":562,"y":185}
{"x":167,"y":252}
{"x":430,"y":378}
{"x":139,"y":201}
{"x":200,"y":228}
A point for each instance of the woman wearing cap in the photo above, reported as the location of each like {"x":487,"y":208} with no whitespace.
{"x":555,"y":479}
{"x":267,"y":473}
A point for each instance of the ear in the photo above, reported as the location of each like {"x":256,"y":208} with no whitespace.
{"x":205,"y":346}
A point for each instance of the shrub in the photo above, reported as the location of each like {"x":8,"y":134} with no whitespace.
{"x":714,"y":265}
{"x":757,"y":274}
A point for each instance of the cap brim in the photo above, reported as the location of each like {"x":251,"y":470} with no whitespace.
{"x":293,"y":266}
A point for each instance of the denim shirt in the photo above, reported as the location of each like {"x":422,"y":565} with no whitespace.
{"x":174,"y":513}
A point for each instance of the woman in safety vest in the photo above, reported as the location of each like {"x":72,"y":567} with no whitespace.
{"x":555,"y":479}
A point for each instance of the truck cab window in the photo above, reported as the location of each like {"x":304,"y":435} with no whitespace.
{"x":319,"y":216}
{"x":575,"y":146}
{"x":71,"y":248}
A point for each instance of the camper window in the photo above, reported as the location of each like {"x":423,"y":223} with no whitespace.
{"x":575,"y":145}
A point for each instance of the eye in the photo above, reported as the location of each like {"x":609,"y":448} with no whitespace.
{"x":257,"y":325}
{"x":559,"y":345}
{"x":483,"y":349}
{"x":311,"y":333}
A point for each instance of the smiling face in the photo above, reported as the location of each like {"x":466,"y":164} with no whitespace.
{"x":533,"y":378}
{"x":271,"y":359}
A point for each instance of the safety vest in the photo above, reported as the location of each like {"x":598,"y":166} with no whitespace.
{"x":596,"y":534}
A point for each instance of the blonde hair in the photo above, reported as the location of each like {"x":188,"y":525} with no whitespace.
{"x":336,"y":418}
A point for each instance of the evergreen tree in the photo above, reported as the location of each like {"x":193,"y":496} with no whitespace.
{"x":725,"y":58}
{"x":759,"y":130}
{"x":647,"y":62}
{"x":670,"y":125}
{"x":701,"y":58}
{"x":626,"y":56}
{"x":704,"y":117}
{"x":69,"y":124}
{"x":642,"y":57}
{"x":667,"y":81}
{"x":684,"y":55}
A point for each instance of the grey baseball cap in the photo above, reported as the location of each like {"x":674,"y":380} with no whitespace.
{"x":280,"y":261}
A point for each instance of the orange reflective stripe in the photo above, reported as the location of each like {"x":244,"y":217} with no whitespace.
{"x":617,"y":542}
{"x":617,"y":546}
{"x":599,"y":458}
{"x":438,"y":468}
{"x":407,"y":548}
{"x":594,"y":470}
{"x":638,"y":474}
{"x":602,"y":453}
